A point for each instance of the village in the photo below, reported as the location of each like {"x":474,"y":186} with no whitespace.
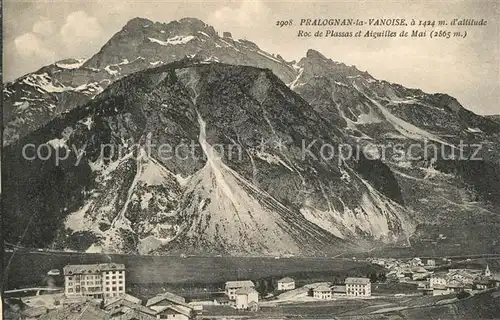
{"x":98,"y":291}
{"x":432,"y":277}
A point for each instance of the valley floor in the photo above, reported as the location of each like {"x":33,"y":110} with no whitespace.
{"x":373,"y":308}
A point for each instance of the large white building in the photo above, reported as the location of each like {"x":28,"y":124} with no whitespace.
{"x":358,"y":287}
{"x":247,"y":298}
{"x":286,"y":284}
{"x":437,"y":281}
{"x":322,"y":292}
{"x":104,"y":280}
{"x":233,"y":286}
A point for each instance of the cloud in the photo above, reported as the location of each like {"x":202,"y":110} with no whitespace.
{"x":44,"y":27}
{"x":78,"y":35}
{"x":246,"y":14}
{"x":30,"y":46}
{"x":79,"y":32}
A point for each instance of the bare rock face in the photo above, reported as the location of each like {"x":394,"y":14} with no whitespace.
{"x":240,"y":182}
{"x":446,"y":191}
{"x":265,"y":200}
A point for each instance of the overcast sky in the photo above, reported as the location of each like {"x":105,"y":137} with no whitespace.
{"x":37,"y":33}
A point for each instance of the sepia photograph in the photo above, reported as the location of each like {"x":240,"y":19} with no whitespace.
{"x":250,"y":160}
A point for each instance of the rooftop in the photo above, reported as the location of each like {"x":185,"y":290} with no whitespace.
{"x":177,"y":308}
{"x":286,"y":280}
{"x":125,"y":297}
{"x":166,"y":296}
{"x":322,"y":288}
{"x":240,"y":284}
{"x":245,"y":290}
{"x":129,"y":305}
{"x":357,"y":281}
{"x":91,"y":268}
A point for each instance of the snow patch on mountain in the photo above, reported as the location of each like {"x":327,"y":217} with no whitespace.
{"x":71,"y":64}
{"x":173,"y":41}
{"x":405,"y":128}
{"x":44,"y":82}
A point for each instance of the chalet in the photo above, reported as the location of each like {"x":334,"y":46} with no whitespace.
{"x":322,"y":292}
{"x":125,"y":309}
{"x":126,"y":297}
{"x":358,"y":287}
{"x":286,"y":284}
{"x":174,"y":312}
{"x":246,"y":298}
{"x":165,"y":299}
{"x":233,"y":286}
{"x":437,"y":280}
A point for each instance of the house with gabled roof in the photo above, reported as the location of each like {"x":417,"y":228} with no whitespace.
{"x":165,"y":299}
{"x":246,"y":297}
{"x":286,"y":283}
{"x":126,"y":309}
{"x":356,"y":287}
{"x":322,"y":292}
{"x":174,"y":312}
{"x":232,"y":286}
{"x":126,"y":297}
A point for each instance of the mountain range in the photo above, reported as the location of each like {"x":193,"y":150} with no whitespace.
{"x":180,"y":84}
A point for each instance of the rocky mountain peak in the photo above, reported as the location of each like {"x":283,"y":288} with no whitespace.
{"x":315,"y":64}
{"x":137,"y":23}
{"x":313,"y":54}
